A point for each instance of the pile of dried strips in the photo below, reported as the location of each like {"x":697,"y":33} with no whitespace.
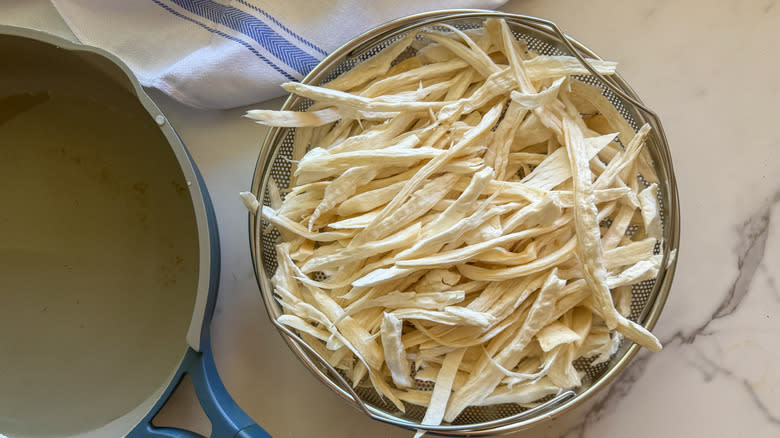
{"x":446,"y":221}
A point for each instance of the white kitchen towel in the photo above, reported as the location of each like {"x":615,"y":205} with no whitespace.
{"x":228,"y":53}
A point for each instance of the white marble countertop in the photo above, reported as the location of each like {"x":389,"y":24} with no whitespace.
{"x":711,"y":70}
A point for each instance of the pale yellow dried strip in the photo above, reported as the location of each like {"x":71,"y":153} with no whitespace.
{"x":300,"y":188}
{"x":532,"y":101}
{"x":383,"y":135}
{"x":373,"y":67}
{"x":552,"y":67}
{"x":451,"y":315}
{"x":341,"y":189}
{"x":437,"y":280}
{"x":497,"y":84}
{"x":414,"y":76}
{"x":431,"y":371}
{"x":478,"y":48}
{"x":469,"y":336}
{"x":402,"y":239}
{"x":555,"y":169}
{"x":532,"y":132}
{"x":458,"y":210}
{"x":648,"y":201}
{"x":304,"y":251}
{"x":401,"y":67}
{"x":542,"y":212}
{"x":617,"y":230}
{"x":501,"y":256}
{"x":463,"y":82}
{"x":415,"y":396}
{"x":428,"y":300}
{"x":463,"y":166}
{"x":346,"y":101}
{"x":325,"y":164}
{"x":443,"y":387}
{"x":417,"y":205}
{"x":430,"y":352}
{"x":562,"y":371}
{"x":589,"y":249}
{"x":623,"y":159}
{"x":395,"y":355}
{"x":340,"y":131}
{"x":434,"y":243}
{"x":555,"y":334}
{"x":308,"y":311}
{"x":515,"y":298}
{"x":360,"y":221}
{"x":484,"y":382}
{"x":283,"y":277}
{"x":515,"y":189}
{"x":639,"y":271}
{"x":550,"y":260}
{"x":565,"y":198}
{"x":382,"y":275}
{"x":477,"y":59}
{"x":464,"y":254}
{"x":374,"y":230}
{"x":530,"y":369}
{"x":294,"y":119}
{"x":345,"y":276}
{"x":631,"y":330}
{"x":521,"y":394}
{"x":503,"y":137}
{"x":629,"y":254}
{"x":356,"y":334}
{"x":622,"y":296}
{"x":342,"y":359}
{"x":617,"y":122}
{"x":384,"y":389}
{"x":300,"y":324}
{"x":369,"y":200}
{"x":301,"y":205}
{"x":431,"y":53}
{"x":280,"y":221}
{"x":495,"y":290}
{"x":533,"y":159}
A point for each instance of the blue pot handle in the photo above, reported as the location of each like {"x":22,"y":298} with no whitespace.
{"x":227,"y":419}
{"x":169,"y":432}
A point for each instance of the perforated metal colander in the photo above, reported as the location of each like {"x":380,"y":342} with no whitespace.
{"x":542,"y":37}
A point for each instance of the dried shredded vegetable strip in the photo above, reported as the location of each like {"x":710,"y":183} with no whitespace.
{"x":589,"y":249}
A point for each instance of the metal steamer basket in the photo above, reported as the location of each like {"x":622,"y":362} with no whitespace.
{"x":543,"y":37}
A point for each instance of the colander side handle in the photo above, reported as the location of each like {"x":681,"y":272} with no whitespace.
{"x":227,"y":419}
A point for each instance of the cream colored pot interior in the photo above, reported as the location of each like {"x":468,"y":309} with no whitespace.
{"x":98,"y":247}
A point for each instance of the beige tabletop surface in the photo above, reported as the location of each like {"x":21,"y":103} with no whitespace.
{"x":712,"y":71}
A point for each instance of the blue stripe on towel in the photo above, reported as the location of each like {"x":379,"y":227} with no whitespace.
{"x":286,"y":29}
{"x":224,"y":35}
{"x":254,"y":28}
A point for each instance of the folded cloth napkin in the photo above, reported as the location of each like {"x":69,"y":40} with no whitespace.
{"x":228,"y":53}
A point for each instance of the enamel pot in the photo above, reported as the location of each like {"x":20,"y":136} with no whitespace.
{"x":109,"y":253}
